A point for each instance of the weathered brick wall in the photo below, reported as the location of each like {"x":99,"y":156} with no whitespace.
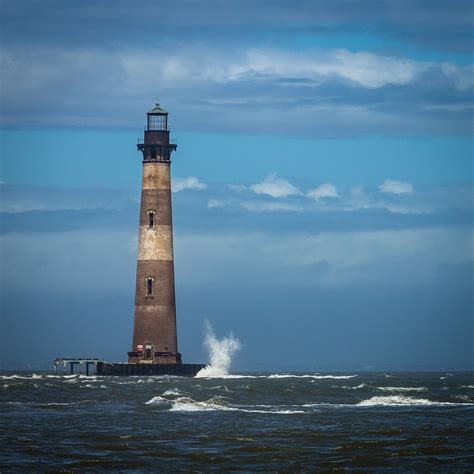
{"x":155,"y":315}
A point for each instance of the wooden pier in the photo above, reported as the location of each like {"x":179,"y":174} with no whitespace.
{"x":67,"y":364}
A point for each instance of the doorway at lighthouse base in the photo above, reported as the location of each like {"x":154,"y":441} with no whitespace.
{"x":146,"y":354}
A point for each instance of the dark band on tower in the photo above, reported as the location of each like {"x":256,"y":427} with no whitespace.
{"x":154,"y":331}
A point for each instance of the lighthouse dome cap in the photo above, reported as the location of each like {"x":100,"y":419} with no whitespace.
{"x":157,"y":110}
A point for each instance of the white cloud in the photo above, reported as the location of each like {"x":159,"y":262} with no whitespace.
{"x":390,"y":186}
{"x":290,"y":81}
{"x":275,"y":187}
{"x":213,"y":203}
{"x":180,"y":184}
{"x":326,"y":190}
{"x":366,"y":69}
{"x":201,"y":63}
{"x":463,"y":76}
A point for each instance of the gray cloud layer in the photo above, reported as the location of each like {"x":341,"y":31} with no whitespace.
{"x":432,"y":23}
{"x":103,"y":71}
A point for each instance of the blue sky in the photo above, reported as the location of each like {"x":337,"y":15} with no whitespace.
{"x":323,"y":183}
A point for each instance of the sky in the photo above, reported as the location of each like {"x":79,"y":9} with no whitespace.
{"x":322,"y":185}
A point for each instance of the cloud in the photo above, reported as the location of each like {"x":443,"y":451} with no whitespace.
{"x":324,"y":92}
{"x":439,"y":25}
{"x":323,"y":191}
{"x":349,"y":249}
{"x":275,"y":187}
{"x":361,"y":68}
{"x":26,"y":198}
{"x":180,"y":184}
{"x":328,"y":258}
{"x":213,"y":203}
{"x":390,"y":186}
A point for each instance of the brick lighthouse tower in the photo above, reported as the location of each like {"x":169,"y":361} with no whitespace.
{"x":154,"y":331}
{"x":155,"y":344}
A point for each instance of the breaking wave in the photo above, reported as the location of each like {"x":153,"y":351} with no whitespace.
{"x":400,"y":400}
{"x":172,"y":392}
{"x":217,"y":403}
{"x":220,"y":354}
{"x":188,"y":404}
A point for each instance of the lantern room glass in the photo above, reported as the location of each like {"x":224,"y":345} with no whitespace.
{"x":158,"y":122}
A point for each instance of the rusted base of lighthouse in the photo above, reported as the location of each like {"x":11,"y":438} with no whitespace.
{"x":185,"y":370}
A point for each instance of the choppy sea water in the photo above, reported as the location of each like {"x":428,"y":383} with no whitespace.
{"x":311,"y":421}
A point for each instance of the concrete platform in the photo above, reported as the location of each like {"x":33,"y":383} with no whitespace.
{"x":186,"y":370}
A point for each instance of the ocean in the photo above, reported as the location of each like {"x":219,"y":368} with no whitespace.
{"x":248,"y":422}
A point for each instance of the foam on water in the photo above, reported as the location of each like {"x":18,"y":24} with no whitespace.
{"x":38,"y":404}
{"x":217,"y":404}
{"x":173,"y":392}
{"x":220,"y":354}
{"x":402,"y":389}
{"x":346,"y":387}
{"x":220,"y":375}
{"x":158,"y":400}
{"x":400,"y":400}
{"x":318,"y":377}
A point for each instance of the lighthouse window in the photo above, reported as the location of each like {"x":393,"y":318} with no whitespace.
{"x":151,"y":219}
{"x":157,"y":122}
{"x":149,"y":286}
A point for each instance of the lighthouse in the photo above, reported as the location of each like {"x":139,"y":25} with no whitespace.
{"x":154,"y":330}
{"x":155,"y":343}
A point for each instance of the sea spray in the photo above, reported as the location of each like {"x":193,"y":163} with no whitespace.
{"x":220,"y":354}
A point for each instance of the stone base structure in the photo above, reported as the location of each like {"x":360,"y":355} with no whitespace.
{"x":185,"y":370}
{"x":158,"y":358}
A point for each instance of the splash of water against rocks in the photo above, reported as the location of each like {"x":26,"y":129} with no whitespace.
{"x":220,"y":354}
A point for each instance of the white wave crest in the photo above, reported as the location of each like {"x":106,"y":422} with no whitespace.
{"x":220,"y":354}
{"x":216,"y":404}
{"x":21,"y":377}
{"x":400,"y":400}
{"x":188,"y":404}
{"x":318,"y":377}
{"x":174,"y":392}
{"x":402,"y":389}
{"x":347,"y":387}
{"x":88,"y":385}
{"x":40,"y":404}
{"x":158,"y":400}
